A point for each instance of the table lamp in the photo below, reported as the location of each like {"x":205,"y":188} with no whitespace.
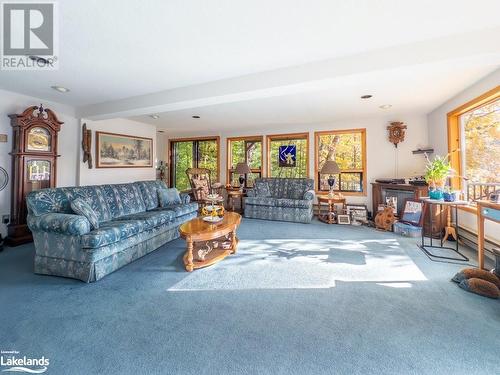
{"x":242,"y":169}
{"x":331,"y":168}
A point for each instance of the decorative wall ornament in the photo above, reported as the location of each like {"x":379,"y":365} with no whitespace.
{"x":86,"y":145}
{"x":287,"y":156}
{"x":396,"y":132}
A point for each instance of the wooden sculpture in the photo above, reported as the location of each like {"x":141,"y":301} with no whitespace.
{"x":396,"y":132}
{"x":86,"y":145}
{"x":385,"y":219}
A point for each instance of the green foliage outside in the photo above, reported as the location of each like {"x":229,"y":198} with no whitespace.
{"x":482,"y":143}
{"x":346,"y":150}
{"x":249,"y":152}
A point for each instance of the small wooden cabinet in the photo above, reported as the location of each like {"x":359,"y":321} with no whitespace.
{"x":34,"y":161}
{"x":402,"y":191}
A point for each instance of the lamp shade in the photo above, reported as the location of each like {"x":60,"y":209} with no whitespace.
{"x":330,"y":167}
{"x":242,"y":168}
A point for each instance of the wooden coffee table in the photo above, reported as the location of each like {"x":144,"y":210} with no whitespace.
{"x":209,"y":243}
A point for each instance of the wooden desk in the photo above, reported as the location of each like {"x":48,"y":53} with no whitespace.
{"x":485,"y":210}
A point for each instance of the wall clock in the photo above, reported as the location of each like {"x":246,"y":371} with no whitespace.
{"x":396,"y":132}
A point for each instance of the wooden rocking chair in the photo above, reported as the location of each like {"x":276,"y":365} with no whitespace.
{"x":201,"y":185}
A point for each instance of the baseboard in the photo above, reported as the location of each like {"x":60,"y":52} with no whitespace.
{"x":469,"y":237}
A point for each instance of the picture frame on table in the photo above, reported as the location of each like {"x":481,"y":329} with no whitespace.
{"x":413,"y":212}
{"x":343,"y":219}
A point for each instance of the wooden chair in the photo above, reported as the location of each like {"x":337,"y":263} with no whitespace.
{"x":201,"y":185}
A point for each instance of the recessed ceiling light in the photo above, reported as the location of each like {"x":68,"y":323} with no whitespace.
{"x":385,"y":106}
{"x":155,"y":116}
{"x":161,"y":131}
{"x":60,"y":88}
{"x":195,"y":116}
{"x":367,"y":96}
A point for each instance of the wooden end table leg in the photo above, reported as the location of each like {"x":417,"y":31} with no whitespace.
{"x":234,"y":242}
{"x":189,"y":255}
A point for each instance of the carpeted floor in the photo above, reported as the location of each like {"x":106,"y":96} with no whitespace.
{"x":295,"y":299}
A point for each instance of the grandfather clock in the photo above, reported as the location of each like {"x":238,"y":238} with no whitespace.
{"x":34,"y":160}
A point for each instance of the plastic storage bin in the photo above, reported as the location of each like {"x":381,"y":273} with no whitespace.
{"x":407,"y":230}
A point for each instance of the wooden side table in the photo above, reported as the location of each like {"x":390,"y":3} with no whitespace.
{"x":233,"y":195}
{"x":330,"y":217}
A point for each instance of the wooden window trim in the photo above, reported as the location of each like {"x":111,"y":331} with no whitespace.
{"x":454,"y":131}
{"x":228,"y":154}
{"x":207,"y":138}
{"x":316,"y":159}
{"x":273,"y":137}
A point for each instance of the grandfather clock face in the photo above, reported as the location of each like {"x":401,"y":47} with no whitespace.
{"x":39,"y":139}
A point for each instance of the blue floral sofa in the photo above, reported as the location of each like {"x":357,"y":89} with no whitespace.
{"x":131,"y":224}
{"x":285,"y":199}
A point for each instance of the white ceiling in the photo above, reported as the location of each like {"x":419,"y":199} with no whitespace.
{"x":229,"y":60}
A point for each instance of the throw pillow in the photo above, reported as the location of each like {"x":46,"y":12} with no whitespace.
{"x":481,"y":287}
{"x":262,"y":189}
{"x":469,"y":273}
{"x":168,"y":197}
{"x":81,"y":207}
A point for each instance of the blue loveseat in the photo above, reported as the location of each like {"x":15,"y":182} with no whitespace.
{"x":131,"y":224}
{"x":285,"y":199}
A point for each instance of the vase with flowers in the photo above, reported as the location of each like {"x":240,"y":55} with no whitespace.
{"x":437,"y":171}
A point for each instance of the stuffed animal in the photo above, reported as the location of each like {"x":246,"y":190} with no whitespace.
{"x":385,"y":219}
{"x":478,"y":281}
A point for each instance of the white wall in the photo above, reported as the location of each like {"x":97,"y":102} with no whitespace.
{"x":98,"y":176}
{"x":438,"y":138}
{"x":380,"y":152}
{"x":11,"y":103}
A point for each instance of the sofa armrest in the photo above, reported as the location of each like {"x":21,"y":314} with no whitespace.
{"x":309,"y":195}
{"x":251,"y":192}
{"x":185,"y":198}
{"x":69,"y":224}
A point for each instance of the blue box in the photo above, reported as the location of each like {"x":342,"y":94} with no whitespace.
{"x":407,"y":230}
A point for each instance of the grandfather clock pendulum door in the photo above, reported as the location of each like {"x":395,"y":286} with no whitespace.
{"x":34,"y":160}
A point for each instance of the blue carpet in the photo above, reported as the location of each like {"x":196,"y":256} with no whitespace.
{"x":295,"y":299}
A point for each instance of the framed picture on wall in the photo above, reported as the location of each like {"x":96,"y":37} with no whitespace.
{"x":123,"y":151}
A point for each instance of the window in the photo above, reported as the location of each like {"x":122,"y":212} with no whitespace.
{"x":288,"y":155}
{"x":193,"y":153}
{"x":348,"y":149}
{"x":474,"y":144}
{"x":244,"y":150}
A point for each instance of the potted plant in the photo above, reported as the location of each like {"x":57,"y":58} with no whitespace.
{"x":436,"y":173}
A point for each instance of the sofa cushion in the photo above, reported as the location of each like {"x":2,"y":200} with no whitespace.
{"x":93,"y":195}
{"x":258,"y":201}
{"x":44,"y":201}
{"x":262,"y":189}
{"x":81,"y":207}
{"x":149,"y":192}
{"x":294,"y":203}
{"x":111,"y":232}
{"x":180,"y":209}
{"x":169,"y":197}
{"x":151,"y":219}
{"x":124,"y":199}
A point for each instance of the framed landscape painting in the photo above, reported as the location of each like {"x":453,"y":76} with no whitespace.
{"x":123,"y":151}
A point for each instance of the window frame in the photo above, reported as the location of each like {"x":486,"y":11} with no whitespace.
{"x":285,"y":136}
{"x":171,"y":143}
{"x":317,"y":135}
{"x":454,"y":132}
{"x":229,"y":170}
